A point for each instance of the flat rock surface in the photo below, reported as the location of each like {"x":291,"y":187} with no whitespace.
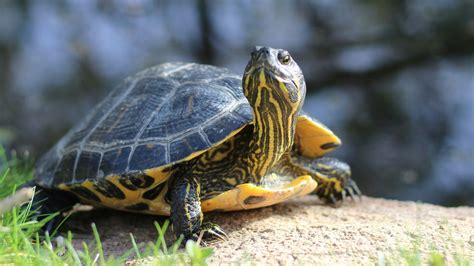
{"x":305,"y":231}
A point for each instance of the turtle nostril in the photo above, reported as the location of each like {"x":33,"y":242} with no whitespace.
{"x":260,"y":52}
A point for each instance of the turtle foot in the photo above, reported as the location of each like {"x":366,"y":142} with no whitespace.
{"x":336,"y":195}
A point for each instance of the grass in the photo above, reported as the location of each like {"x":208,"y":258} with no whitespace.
{"x":21,"y":244}
{"x":422,"y":251}
{"x":414,"y":256}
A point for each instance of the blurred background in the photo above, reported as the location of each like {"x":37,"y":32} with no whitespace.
{"x":393,"y":78}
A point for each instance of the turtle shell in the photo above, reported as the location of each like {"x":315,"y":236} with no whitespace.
{"x":161,"y":116}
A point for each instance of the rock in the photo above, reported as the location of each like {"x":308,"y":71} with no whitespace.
{"x":305,"y":231}
{"x":356,"y":233}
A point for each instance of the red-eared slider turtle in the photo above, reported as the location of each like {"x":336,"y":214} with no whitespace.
{"x":181,"y":139}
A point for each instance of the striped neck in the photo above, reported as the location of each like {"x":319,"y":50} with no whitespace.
{"x":274,"y":126}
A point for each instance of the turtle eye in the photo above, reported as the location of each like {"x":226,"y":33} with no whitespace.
{"x":284,"y":57}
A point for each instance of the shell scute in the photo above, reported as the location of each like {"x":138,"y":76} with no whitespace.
{"x":115,"y":161}
{"x":147,"y":156}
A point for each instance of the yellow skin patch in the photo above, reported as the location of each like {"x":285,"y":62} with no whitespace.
{"x":250,"y":196}
{"x":310,"y":135}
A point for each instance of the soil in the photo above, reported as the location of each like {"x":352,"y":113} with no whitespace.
{"x":306,"y":231}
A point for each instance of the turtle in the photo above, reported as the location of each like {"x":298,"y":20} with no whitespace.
{"x":181,"y":139}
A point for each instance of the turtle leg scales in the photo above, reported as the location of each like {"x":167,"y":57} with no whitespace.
{"x":335,"y":183}
{"x":333,"y":176}
{"x":251,"y":196}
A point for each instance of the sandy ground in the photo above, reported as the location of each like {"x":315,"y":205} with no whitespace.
{"x":305,"y":231}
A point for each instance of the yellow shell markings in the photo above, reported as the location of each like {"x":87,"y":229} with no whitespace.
{"x":250,"y":196}
{"x":132,"y":197}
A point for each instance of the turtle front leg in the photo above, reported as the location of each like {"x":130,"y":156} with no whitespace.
{"x":186,"y":213}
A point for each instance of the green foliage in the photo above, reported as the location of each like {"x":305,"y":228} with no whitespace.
{"x":21,"y":244}
{"x":13,"y":172}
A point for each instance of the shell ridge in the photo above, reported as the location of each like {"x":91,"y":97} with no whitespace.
{"x":204,"y":137}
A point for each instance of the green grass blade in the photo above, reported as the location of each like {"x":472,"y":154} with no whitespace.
{"x":86,"y":254}
{"x":135,"y":247}
{"x":99,"y":244}
{"x":161,"y":242}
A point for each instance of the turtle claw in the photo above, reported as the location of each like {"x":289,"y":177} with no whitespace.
{"x":210,"y":233}
{"x":351,"y":194}
{"x":352,"y":190}
{"x":357,"y":190}
{"x":333,"y":198}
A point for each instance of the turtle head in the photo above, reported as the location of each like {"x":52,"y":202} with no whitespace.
{"x":272,"y":77}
